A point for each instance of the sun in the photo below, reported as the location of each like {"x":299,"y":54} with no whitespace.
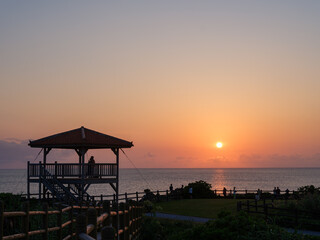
{"x":219,"y":145}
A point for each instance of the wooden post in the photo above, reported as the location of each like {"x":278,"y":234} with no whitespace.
{"x":239,"y":206}
{"x":126,"y":197}
{"x":92,"y":219}
{"x":266,"y":211}
{"x":71,"y":219}
{"x":59,"y":222}
{"x":122,"y":221}
{"x":130,"y":219}
{"x":1,"y":219}
{"x":40,"y":174}
{"x":107,"y":233}
{"x":167,"y":193}
{"x":45,"y":221}
{"x":158,"y":196}
{"x":137,"y":196}
{"x":106,"y":209}
{"x":55,"y":169}
{"x":126,"y":221}
{"x":28,"y":179}
{"x":25,"y":221}
{"x":81,"y":224}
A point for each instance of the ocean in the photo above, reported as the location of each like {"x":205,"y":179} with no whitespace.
{"x":132,"y":180}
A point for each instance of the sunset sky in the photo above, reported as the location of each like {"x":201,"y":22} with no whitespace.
{"x":174,"y":77}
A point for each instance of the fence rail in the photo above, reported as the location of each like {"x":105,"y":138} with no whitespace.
{"x":126,"y":223}
{"x":72,"y":169}
{"x":289,"y":216}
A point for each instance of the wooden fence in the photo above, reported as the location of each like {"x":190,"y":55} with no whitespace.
{"x":287,"y":216}
{"x":137,"y":196}
{"x":72,"y":222}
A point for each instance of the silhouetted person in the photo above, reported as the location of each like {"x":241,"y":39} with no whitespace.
{"x":190,"y":192}
{"x":278,"y":192}
{"x":234,"y":192}
{"x":224,"y":192}
{"x":171,"y":188}
{"x":91,"y":164}
{"x":287,"y":194}
{"x":258,"y":196}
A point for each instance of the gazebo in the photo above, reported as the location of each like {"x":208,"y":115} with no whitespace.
{"x":69,"y":182}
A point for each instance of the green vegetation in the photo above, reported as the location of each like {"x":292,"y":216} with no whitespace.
{"x":200,"y":189}
{"x":207,"y":208}
{"x":227,"y":227}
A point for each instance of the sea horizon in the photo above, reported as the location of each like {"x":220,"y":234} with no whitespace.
{"x":132,"y":180}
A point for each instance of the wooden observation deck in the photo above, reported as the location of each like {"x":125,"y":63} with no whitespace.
{"x":69,"y":182}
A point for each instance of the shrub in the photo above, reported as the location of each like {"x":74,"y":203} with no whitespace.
{"x":309,"y":189}
{"x":200,"y":189}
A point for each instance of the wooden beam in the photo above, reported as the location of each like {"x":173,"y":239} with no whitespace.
{"x":113,"y":186}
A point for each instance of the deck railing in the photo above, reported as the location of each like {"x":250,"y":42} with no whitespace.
{"x":73,"y":169}
{"x":89,"y":220}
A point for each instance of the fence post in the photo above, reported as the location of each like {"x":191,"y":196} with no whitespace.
{"x":107,"y":233}
{"x":92,"y":219}
{"x":1,"y":219}
{"x":122,"y":220}
{"x":266,"y":211}
{"x":71,"y":219}
{"x":106,"y":209}
{"x":167,"y":193}
{"x":45,"y":220}
{"x":158,"y":196}
{"x":137,"y":196}
{"x":239,"y":206}
{"x":25,"y":222}
{"x":59,"y":222}
{"x":126,"y":222}
{"x":126,"y":196}
{"x":81,"y":224}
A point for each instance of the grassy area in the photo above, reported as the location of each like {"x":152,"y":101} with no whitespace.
{"x":207,"y":208}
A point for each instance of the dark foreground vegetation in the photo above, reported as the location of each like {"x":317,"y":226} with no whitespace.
{"x":231,"y":224}
{"x":227,"y":227}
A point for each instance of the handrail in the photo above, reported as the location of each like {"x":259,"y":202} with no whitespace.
{"x":73,"y":169}
{"x":130,"y":224}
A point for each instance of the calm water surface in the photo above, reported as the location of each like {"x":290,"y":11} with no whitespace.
{"x":132,"y":180}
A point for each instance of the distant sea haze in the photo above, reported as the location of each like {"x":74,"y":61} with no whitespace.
{"x":132,"y":180}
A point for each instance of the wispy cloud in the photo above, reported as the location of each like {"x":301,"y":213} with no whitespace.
{"x":15,"y":153}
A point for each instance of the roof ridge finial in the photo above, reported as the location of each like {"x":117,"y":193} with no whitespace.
{"x":83,"y":133}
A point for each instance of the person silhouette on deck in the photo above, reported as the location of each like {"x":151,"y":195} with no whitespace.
{"x":91,"y":164}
